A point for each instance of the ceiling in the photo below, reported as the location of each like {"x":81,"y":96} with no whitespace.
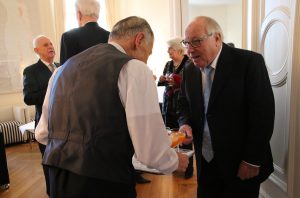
{"x":213,"y":2}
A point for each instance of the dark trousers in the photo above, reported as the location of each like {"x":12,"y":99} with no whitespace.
{"x":212,"y":185}
{"x":64,"y":184}
{"x":42,"y":148}
{"x":4,"y":177}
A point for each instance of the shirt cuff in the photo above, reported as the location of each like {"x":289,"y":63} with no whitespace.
{"x":251,"y":164}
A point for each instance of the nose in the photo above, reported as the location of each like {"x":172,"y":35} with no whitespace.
{"x":189,"y":49}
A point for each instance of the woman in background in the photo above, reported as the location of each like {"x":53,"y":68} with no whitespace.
{"x":171,"y":79}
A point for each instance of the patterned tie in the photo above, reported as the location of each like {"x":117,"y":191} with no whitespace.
{"x":207,"y":150}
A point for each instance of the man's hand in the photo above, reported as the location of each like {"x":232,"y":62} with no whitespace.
{"x":247,"y":171}
{"x":183,"y":162}
{"x":188,"y":131}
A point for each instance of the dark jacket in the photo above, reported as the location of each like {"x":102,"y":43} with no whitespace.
{"x":80,"y":39}
{"x":170,"y":97}
{"x":240,"y":112}
{"x":35,"y":82}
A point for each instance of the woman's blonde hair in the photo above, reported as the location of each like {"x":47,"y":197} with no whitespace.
{"x":175,"y":43}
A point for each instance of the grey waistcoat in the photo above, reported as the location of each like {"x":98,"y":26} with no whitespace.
{"x":88,"y":133}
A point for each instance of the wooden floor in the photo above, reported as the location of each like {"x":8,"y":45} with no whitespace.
{"x":27,"y":181}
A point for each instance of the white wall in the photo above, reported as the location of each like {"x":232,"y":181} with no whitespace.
{"x":157,"y":13}
{"x":20,"y":22}
{"x":228,"y":17}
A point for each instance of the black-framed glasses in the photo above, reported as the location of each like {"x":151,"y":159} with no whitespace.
{"x":196,"y":42}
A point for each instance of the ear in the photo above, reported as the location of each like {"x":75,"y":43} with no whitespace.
{"x":139,"y":39}
{"x":79,"y":17}
{"x":36,"y":50}
{"x":218,"y":37}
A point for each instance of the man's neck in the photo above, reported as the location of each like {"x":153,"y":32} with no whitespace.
{"x":48,"y":60}
{"x":87,"y":19}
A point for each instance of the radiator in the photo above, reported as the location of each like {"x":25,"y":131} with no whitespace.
{"x":12,"y":134}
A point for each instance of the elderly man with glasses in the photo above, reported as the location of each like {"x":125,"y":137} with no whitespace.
{"x":227,"y":104}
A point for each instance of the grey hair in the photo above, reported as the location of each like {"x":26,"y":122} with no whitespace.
{"x":36,"y":40}
{"x":175,"y":43}
{"x":212,"y":26}
{"x":129,"y":26}
{"x":89,"y":8}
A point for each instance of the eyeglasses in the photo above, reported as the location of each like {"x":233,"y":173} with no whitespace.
{"x":196,"y":42}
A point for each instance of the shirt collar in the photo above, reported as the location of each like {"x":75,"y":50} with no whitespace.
{"x":215,"y":61}
{"x":45,"y":62}
{"x":119,"y":47}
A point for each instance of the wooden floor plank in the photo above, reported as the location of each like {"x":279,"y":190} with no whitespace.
{"x":27,"y":181}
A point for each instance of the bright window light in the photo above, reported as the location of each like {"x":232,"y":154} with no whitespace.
{"x":71,"y":21}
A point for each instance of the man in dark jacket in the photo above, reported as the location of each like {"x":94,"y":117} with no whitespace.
{"x":87,"y":35}
{"x":35,"y":81}
{"x":227,"y":104}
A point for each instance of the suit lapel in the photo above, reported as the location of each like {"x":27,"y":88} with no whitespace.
{"x":222,"y":73}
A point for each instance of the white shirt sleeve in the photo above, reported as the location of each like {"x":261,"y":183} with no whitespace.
{"x":138,"y":94}
{"x":41,"y":130}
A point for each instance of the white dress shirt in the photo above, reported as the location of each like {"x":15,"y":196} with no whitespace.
{"x":51,"y":66}
{"x":138,"y":93}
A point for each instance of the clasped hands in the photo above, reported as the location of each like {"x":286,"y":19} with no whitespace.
{"x":169,"y":79}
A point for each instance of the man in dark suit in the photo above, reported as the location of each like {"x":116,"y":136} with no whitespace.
{"x":87,"y":35}
{"x":35,"y":82}
{"x":229,"y":111}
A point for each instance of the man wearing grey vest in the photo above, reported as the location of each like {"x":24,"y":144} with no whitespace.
{"x":102,"y":108}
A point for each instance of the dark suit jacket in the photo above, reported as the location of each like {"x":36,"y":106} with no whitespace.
{"x":35,"y":82}
{"x":79,"y":39}
{"x":240,"y":112}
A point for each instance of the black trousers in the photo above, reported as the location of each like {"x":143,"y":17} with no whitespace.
{"x":65,"y":184}
{"x":4,"y":177}
{"x":42,"y":148}
{"x":212,"y":185}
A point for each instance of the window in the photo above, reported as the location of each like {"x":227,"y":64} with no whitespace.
{"x":71,"y":20}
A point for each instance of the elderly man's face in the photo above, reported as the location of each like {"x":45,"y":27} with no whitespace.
{"x":203,"y":46}
{"x":45,"y":49}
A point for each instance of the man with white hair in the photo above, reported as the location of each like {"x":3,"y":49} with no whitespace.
{"x":87,"y":35}
{"x":35,"y":81}
{"x":227,"y":104}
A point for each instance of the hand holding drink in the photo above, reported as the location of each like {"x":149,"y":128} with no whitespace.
{"x":181,"y":137}
{"x":177,"y":138}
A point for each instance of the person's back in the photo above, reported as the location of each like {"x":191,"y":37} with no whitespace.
{"x":94,"y":128}
{"x":87,"y":35}
{"x":85,"y":138}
